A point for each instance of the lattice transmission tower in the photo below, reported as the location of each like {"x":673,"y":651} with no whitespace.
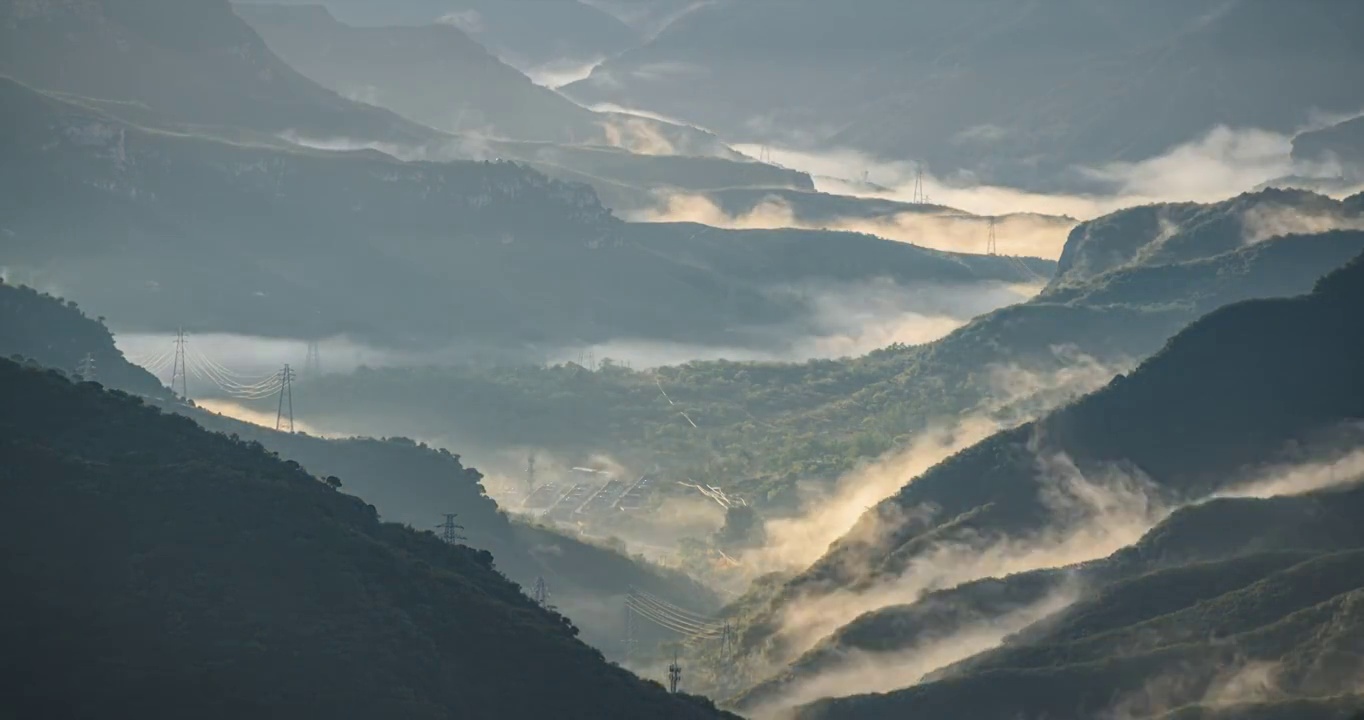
{"x":286,"y":395}
{"x":920,"y":194}
{"x":450,"y":529}
{"x":178,"y":369}
{"x":674,"y":674}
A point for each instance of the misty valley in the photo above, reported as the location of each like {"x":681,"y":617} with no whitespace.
{"x":655,"y":359}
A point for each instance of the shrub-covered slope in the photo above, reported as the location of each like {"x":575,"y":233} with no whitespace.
{"x":1238,"y":390}
{"x":408,"y":483}
{"x":154,"y":565}
{"x":762,"y":427}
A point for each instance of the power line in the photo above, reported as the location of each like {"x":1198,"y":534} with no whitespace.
{"x":920,"y":196}
{"x":681,"y":611}
{"x":155,"y":363}
{"x":178,"y":369}
{"x":674,"y":674}
{"x":286,"y":390}
{"x":727,"y":643}
{"x":671,"y":621}
{"x":243,"y":388}
{"x":450,"y":529}
{"x":689,"y":634}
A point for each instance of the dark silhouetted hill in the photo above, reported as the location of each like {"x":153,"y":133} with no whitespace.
{"x":407,"y":482}
{"x":153,"y":564}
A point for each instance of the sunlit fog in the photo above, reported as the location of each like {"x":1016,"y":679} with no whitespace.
{"x":682,"y":359}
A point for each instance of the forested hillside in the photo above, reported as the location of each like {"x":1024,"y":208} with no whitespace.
{"x":187,"y":569}
{"x":1198,"y":554}
{"x":763,"y":427}
{"x":1253,"y":392}
{"x":1269,"y":626}
{"x":404,"y":481}
{"x":58,"y":335}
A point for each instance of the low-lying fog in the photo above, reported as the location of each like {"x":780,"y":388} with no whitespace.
{"x":1221,"y":163}
{"x":843,"y":320}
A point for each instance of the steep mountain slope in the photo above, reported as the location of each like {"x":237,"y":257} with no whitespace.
{"x":57,"y":334}
{"x":1198,"y":554}
{"x":1253,"y":385}
{"x":437,"y":75}
{"x":189,"y":62}
{"x":1284,"y":635}
{"x":1015,"y":93}
{"x":407,"y":482}
{"x":1178,"y":232}
{"x":152,"y":562}
{"x":481,"y":92}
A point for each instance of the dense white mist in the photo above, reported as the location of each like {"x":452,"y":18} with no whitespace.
{"x":558,"y":73}
{"x":255,"y":355}
{"x":236,"y":411}
{"x":654,"y":535}
{"x":1017,"y":394}
{"x":793,"y":543}
{"x":1222,"y":163}
{"x":1301,"y":478}
{"x":456,"y":147}
{"x":1090,"y":517}
{"x":641,"y":136}
{"x":859,"y":672}
{"x":1242,"y":682}
{"x":1264,"y":222}
{"x":1027,"y":235}
{"x":623,"y":110}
